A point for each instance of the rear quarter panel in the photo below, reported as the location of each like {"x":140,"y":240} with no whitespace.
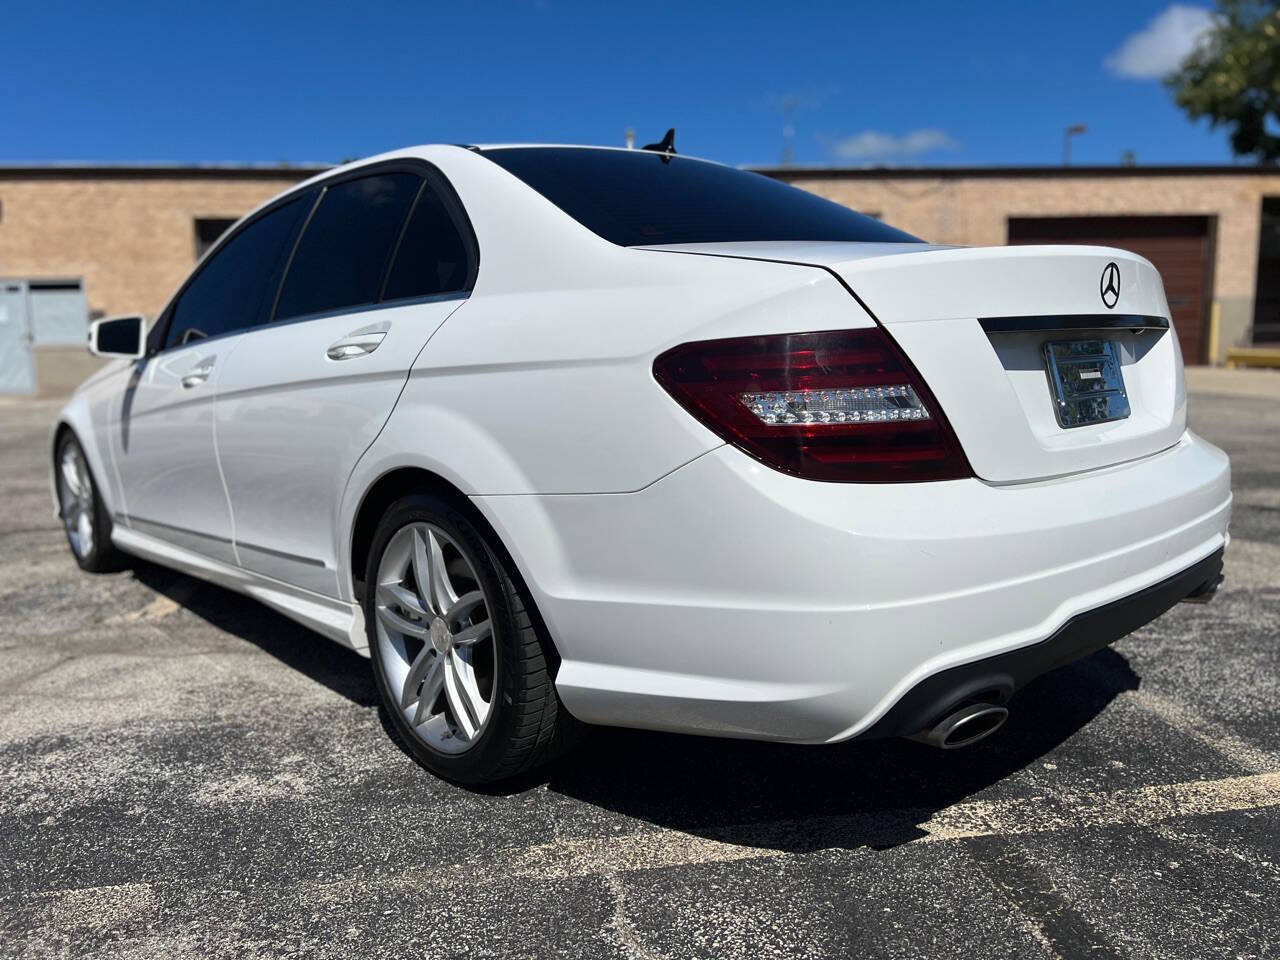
{"x":542,"y":382}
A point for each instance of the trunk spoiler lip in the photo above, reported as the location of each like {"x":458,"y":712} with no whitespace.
{"x":1097,"y":321}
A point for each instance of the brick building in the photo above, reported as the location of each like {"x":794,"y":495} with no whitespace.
{"x":83,"y":242}
{"x":78,"y":242}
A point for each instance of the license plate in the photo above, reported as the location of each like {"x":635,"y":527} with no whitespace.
{"x":1086,"y":381}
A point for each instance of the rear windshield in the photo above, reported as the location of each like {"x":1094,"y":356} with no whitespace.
{"x":635,"y":198}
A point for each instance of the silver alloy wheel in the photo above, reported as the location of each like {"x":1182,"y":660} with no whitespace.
{"x":75,"y":500}
{"x":435,"y":641}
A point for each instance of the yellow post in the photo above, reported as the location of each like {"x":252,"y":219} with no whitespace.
{"x":1214,"y":310}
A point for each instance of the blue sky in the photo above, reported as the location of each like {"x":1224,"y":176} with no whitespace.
{"x":916,"y":83}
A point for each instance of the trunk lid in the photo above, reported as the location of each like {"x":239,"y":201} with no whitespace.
{"x":975,"y":322}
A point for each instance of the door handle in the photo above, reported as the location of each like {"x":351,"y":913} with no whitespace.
{"x":355,"y":345}
{"x":199,"y":373}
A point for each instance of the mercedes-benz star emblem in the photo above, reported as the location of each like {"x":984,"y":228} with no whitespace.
{"x":1109,"y":285}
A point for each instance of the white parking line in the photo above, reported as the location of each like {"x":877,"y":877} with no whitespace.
{"x":1136,"y":806}
{"x":1213,"y":735}
{"x":979,"y":818}
{"x":655,"y":849}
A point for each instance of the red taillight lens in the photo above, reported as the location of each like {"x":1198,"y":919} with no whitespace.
{"x":844,"y":405}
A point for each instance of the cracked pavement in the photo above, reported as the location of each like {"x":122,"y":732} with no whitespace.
{"x":184,"y":773}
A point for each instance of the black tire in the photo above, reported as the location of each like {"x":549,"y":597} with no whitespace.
{"x":527,"y":724}
{"x":103,"y":556}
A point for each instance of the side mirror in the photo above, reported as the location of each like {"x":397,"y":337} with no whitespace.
{"x":118,"y":337}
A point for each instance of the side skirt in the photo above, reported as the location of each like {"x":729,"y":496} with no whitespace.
{"x":336,"y":620}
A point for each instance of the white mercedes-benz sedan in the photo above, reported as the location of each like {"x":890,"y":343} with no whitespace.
{"x":564,"y":435}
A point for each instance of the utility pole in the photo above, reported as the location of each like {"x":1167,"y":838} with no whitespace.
{"x":1067,"y":134}
{"x":789,"y":104}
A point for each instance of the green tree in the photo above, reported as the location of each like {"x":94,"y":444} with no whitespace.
{"x":1233,"y":77}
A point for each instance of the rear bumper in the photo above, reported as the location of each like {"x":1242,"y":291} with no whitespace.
{"x":731,"y":599}
{"x":995,"y":679}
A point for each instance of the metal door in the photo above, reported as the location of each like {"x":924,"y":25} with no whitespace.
{"x":297,"y":405}
{"x":162,"y":441}
{"x":58,"y":314}
{"x":17,"y":366}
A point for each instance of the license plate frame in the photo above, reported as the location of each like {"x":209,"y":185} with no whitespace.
{"x":1086,"y":381}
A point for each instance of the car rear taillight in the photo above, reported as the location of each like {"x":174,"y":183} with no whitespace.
{"x":845,"y":405}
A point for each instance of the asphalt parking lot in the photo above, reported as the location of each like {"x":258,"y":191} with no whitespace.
{"x":183,"y":773}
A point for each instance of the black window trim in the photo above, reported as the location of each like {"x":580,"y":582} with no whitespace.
{"x":432,"y":177}
{"x":288,"y":264}
{"x":395,"y":247}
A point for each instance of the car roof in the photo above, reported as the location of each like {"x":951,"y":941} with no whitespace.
{"x":420,"y":150}
{"x":482,"y":147}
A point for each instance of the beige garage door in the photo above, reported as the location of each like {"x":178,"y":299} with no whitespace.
{"x":1180,"y":247}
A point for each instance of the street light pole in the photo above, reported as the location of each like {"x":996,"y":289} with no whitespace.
{"x":789,"y":104}
{"x":1066,"y":141}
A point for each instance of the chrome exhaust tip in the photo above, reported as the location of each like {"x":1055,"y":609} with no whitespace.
{"x":964,"y":726}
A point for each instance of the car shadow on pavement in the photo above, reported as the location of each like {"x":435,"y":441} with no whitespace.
{"x":766,"y":795}
{"x":340,"y":669}
{"x":803,"y":798}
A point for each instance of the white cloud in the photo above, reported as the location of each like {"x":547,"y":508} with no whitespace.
{"x":1160,"y":47}
{"x":873,"y":145}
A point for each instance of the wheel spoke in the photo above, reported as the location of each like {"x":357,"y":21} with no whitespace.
{"x":473,"y":634}
{"x":421,"y":665}
{"x":457,"y":692}
{"x":84,"y":527}
{"x":393,"y":621}
{"x":463,"y":606}
{"x":405,"y":599}
{"x":466,"y":672}
{"x":431,"y":688}
{"x":422,"y":570}
{"x":443,"y":596}
{"x":430,"y":574}
{"x":86,"y":484}
{"x":70,"y":475}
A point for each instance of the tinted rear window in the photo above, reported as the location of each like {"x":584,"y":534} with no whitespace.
{"x":432,"y":258}
{"x":634,"y":198}
{"x":344,"y":253}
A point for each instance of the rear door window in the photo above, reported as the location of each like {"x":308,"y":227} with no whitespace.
{"x":343,"y":256}
{"x":236,"y":288}
{"x":432,"y":259}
